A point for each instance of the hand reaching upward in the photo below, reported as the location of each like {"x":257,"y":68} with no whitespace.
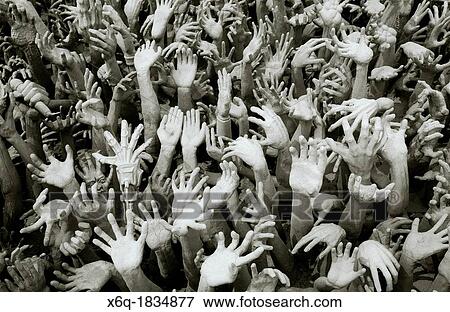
{"x":57,"y":173}
{"x":222,"y":266}
{"x":127,"y":156}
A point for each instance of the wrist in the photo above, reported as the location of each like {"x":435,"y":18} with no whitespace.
{"x":260,"y":168}
{"x":163,"y":248}
{"x":189,"y":158}
{"x":407,"y":258}
{"x":130,"y":273}
{"x":223,"y":117}
{"x":167,"y":149}
{"x":70,"y":188}
{"x":184,"y":88}
{"x":129,"y":59}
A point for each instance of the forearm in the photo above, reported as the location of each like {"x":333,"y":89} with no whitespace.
{"x":98,"y":140}
{"x":113,"y":114}
{"x":21,"y":147}
{"x":191,"y":244}
{"x":405,"y":274}
{"x":353,"y":217}
{"x":184,"y":99}
{"x":165,"y":159}
{"x":261,"y":9}
{"x":279,"y":14}
{"x":136,"y":280}
{"x":283,"y":167}
{"x":243,"y":125}
{"x":440,"y":283}
{"x":302,"y":219}
{"x":223,"y":127}
{"x":203,"y":286}
{"x":281,"y":255}
{"x":9,"y":186}
{"x":360,"y":83}
{"x":167,"y":260}
{"x":262,"y":174}
{"x":40,"y":73}
{"x":299,"y":83}
{"x":76,"y":76}
{"x":150,"y":108}
{"x":189,"y":158}
{"x":246,"y":80}
{"x":66,"y":136}
{"x":398,"y":199}
{"x":33,"y":132}
{"x":114,"y":72}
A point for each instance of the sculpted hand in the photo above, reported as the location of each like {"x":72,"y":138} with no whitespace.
{"x":222,"y":266}
{"x":227,"y":183}
{"x":249,"y":150}
{"x":251,"y":52}
{"x":329,"y":234}
{"x":33,"y":93}
{"x":302,"y":108}
{"x":419,"y":246}
{"x":224,"y":97}
{"x":215,"y":149}
{"x":395,"y":147}
{"x":77,"y":242}
{"x":384,"y":73}
{"x":193,"y":130}
{"x":125,"y":252}
{"x":417,"y":53}
{"x":276,"y":133}
{"x":359,"y":50}
{"x":88,"y":112}
{"x":161,"y":17}
{"x":375,"y":256}
{"x":269,"y":92}
{"x":48,"y":214}
{"x":266,"y":280}
{"x":127,"y":158}
{"x":104,"y":41}
{"x":185,"y":209}
{"x":303,"y":55}
{"x":90,"y":277}
{"x":27,"y":275}
{"x":146,"y":56}
{"x":159,"y":231}
{"x":360,"y":155}
{"x":184,"y":74}
{"x":132,"y":9}
{"x":95,"y":209}
{"x":438,"y":35}
{"x":169,"y":130}
{"x":276,"y":64}
{"x":341,"y":272}
{"x":355,"y":110}
{"x":308,"y":167}
{"x":330,"y":12}
{"x":263,"y":231}
{"x":91,"y":172}
{"x":422,"y":145}
{"x":57,"y":173}
{"x":413,"y":23}
{"x":367,"y":193}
